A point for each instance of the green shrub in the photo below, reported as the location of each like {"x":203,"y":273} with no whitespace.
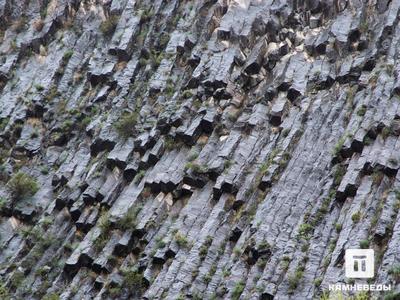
{"x":170,"y":89}
{"x":226,"y":273}
{"x":114,"y":291}
{"x":187,"y":94}
{"x":238,"y":290}
{"x":126,"y":124}
{"x":207,"y":278}
{"x":16,"y":279}
{"x":285,"y":159}
{"x":132,"y":279}
{"x":139,"y":176}
{"x":204,"y":248}
{"x":67,"y":125}
{"x":44,"y":170}
{"x":364,"y":244}
{"x":317,"y":282}
{"x":22,"y":186}
{"x":181,"y":240}
{"x":356,"y":217}
{"x":193,"y":155}
{"x":294,"y":279}
{"x":385,"y":132}
{"x":338,"y":174}
{"x":285,"y":132}
{"x":228,"y":164}
{"x":143,"y":62}
{"x":104,"y":222}
{"x":67,"y":55}
{"x":164,"y":39}
{"x":3,"y":202}
{"x":196,"y":167}
{"x":392,"y":296}
{"x":160,"y":243}
{"x":100,"y":242}
{"x":338,"y":146}
{"x":237,"y":252}
{"x":169,"y":143}
{"x":39,"y":87}
{"x":52,"y":296}
{"x":146,"y":14}
{"x":285,"y":262}
{"x":264,"y":245}
{"x":3,"y":123}
{"x":395,"y":272}
{"x":129,"y":220}
{"x":107,"y":27}
{"x":3,"y":291}
{"x":362,"y":110}
{"x":262,"y":262}
{"x":377,"y":176}
{"x":305,"y":230}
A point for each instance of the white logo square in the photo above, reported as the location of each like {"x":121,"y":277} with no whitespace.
{"x":359,"y":263}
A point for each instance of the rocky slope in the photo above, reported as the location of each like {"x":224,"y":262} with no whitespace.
{"x":197,"y":149}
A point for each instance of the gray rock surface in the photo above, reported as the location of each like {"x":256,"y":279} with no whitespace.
{"x":197,"y":149}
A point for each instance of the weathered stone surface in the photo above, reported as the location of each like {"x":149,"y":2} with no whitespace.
{"x":197,"y":149}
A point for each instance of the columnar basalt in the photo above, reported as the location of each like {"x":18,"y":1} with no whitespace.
{"x":197,"y":149}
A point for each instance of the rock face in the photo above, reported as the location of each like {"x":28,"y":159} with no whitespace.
{"x":197,"y":149}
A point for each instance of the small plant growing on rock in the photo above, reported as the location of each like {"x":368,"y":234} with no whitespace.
{"x":305,"y":230}
{"x":264,"y":245}
{"x":133,"y":279}
{"x":262,"y":262}
{"x":377,"y":176}
{"x":356,"y":217}
{"x":139,"y":176}
{"x":362,"y":110}
{"x":126,"y":124}
{"x":338,"y":174}
{"x":385,"y":132}
{"x":238,"y":290}
{"x":181,"y":240}
{"x":22,"y":186}
{"x":338,"y":146}
{"x":338,"y":227}
{"x":294,"y":279}
{"x":67,"y":55}
{"x":364,"y":244}
{"x":170,"y":88}
{"x":204,"y":248}
{"x":146,"y":14}
{"x":392,"y":296}
{"x":39,"y":87}
{"x":129,"y":220}
{"x":187,"y":94}
{"x":195,"y":167}
{"x":395,"y":272}
{"x":3,"y":291}
{"x":3,"y":203}
{"x":107,"y":27}
{"x":317,"y":282}
{"x":3,"y":123}
{"x":51,"y":296}
{"x":285,"y":262}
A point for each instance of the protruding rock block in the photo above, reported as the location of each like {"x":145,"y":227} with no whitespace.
{"x":278,"y":111}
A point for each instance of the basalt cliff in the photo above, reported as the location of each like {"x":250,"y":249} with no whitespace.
{"x":168,"y":149}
